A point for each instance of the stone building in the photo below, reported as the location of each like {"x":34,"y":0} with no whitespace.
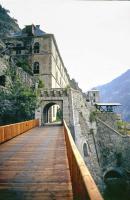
{"x":40,"y":51}
{"x":93,"y":96}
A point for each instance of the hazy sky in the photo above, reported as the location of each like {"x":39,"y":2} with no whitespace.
{"x":93,"y":37}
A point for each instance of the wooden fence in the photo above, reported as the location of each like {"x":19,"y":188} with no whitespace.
{"x":84,"y":187}
{"x":12,"y":130}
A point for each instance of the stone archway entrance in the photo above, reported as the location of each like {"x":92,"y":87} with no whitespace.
{"x":52,"y":97}
{"x":50,"y":110}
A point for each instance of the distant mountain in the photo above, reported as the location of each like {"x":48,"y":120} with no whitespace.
{"x":8,"y":24}
{"x":118,"y":90}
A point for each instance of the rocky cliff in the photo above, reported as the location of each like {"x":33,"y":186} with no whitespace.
{"x":8,"y":24}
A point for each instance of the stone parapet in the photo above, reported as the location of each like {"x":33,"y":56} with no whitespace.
{"x":54,"y":92}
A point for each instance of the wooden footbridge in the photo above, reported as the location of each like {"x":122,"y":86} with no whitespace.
{"x":42,"y":164}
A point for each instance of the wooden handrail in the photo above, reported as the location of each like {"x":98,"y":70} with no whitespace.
{"x":12,"y":130}
{"x":84,"y":187}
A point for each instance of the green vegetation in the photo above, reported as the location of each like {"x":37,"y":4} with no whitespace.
{"x":92,"y":116}
{"x":23,"y":63}
{"x":18,"y":101}
{"x":122,"y":127}
{"x":40,"y":84}
{"x":59,"y":115}
{"x":7,"y":23}
{"x":66,"y":88}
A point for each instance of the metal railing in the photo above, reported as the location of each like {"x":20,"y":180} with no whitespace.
{"x":84,"y":187}
{"x":12,"y":130}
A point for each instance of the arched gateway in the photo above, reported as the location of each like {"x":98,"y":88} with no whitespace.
{"x":53,"y":98}
{"x":50,"y":110}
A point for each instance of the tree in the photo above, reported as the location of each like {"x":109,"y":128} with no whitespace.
{"x":59,"y":115}
{"x":18,"y":101}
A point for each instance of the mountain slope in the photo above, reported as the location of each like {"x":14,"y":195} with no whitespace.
{"x":8,"y":24}
{"x":118,"y":90}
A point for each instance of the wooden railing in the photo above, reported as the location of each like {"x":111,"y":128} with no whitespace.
{"x":84,"y":187}
{"x":12,"y":130}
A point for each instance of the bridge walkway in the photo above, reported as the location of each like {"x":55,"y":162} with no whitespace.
{"x":34,"y":165}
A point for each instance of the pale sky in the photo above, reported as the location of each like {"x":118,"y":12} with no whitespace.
{"x":93,"y":36}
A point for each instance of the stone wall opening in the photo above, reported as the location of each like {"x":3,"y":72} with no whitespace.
{"x":112,"y":174}
{"x":85,"y":150}
{"x":52,"y":113}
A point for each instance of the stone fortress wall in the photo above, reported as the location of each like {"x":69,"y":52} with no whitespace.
{"x":103,"y":148}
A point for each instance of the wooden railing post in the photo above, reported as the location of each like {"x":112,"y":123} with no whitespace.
{"x":84,"y":187}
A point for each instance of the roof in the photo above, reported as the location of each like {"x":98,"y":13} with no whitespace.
{"x":95,"y":90}
{"x":108,"y":104}
{"x":36,"y":29}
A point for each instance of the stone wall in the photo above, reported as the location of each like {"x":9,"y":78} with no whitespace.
{"x":113,"y":148}
{"x":55,"y":96}
{"x":84,"y":133}
{"x":99,"y":142}
{"x":60,"y":78}
{"x":109,"y":144}
{"x":109,"y":118}
{"x":4,"y":63}
{"x":126,"y":153}
{"x":25,"y":77}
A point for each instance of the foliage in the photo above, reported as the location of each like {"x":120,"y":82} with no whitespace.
{"x":92,"y":116}
{"x":122,"y":127}
{"x":24,"y":65}
{"x":17,"y":102}
{"x":40,"y":84}
{"x":59,"y":115}
{"x":66,"y":89}
{"x":7,"y":23}
{"x":120,"y":124}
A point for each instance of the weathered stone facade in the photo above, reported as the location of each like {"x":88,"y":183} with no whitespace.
{"x":40,"y":51}
{"x":84,"y":133}
{"x":41,"y":48}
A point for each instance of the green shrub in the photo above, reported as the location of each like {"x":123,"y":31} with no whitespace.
{"x":18,"y":102}
{"x":92,"y":116}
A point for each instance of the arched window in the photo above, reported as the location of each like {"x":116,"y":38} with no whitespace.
{"x":85,"y":150}
{"x":36,"y":68}
{"x":18,"y":49}
{"x":36,"y":47}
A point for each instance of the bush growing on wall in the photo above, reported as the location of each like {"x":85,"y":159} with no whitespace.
{"x":17,"y":102}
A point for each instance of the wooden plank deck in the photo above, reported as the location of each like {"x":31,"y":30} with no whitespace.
{"x":34,"y":166}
